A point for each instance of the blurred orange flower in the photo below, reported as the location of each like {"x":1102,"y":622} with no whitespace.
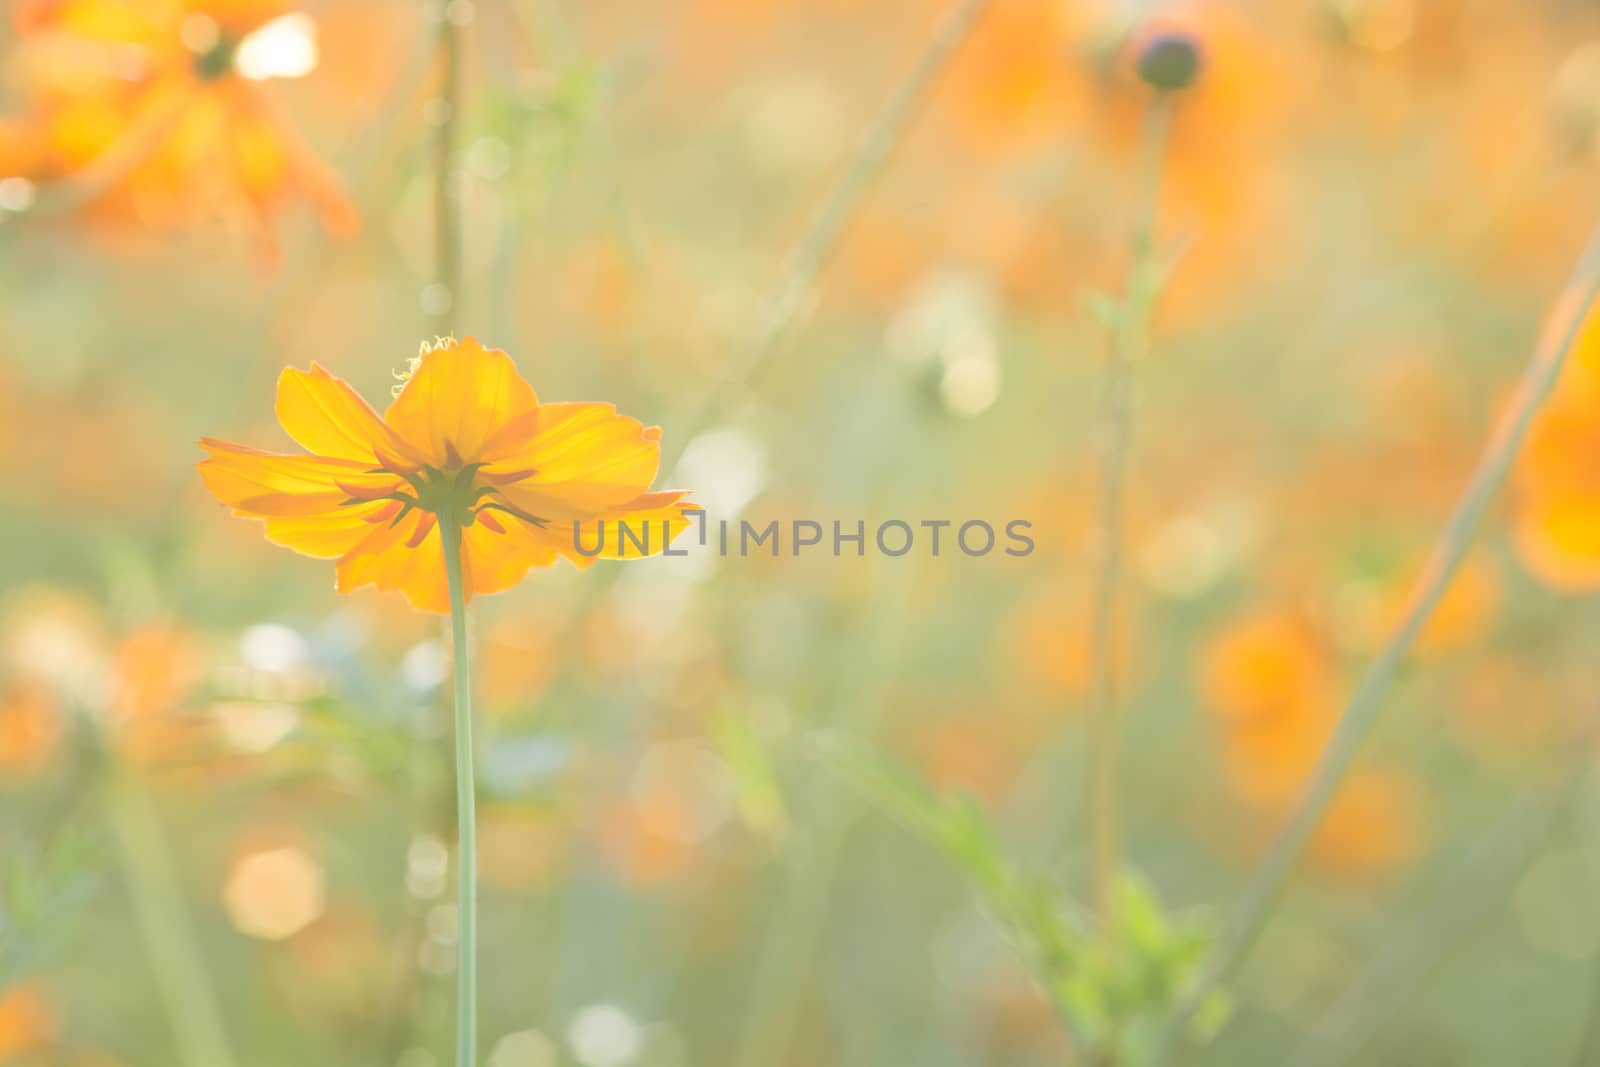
{"x":979,"y":754}
{"x":27,"y":1022}
{"x":1016,"y":85}
{"x":466,"y":437}
{"x":153,"y":670}
{"x":1270,"y":679}
{"x":30,"y":728}
{"x":156,"y":109}
{"x":1371,"y":826}
{"x":1263,"y":663}
{"x":1557,"y":522}
{"x":646,"y":845}
{"x":1464,"y":614}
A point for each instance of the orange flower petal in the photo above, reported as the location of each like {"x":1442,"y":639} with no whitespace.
{"x":584,"y":457}
{"x":642,"y":528}
{"x":326,"y":416}
{"x":499,"y":558}
{"x":261,"y":483}
{"x":386,"y":559}
{"x":328,"y":536}
{"x":460,"y":395}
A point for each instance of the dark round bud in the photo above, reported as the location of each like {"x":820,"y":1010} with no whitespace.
{"x":1170,"y":61}
{"x":216,"y":61}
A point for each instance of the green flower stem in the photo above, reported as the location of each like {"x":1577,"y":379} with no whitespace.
{"x":187,"y":993}
{"x":446,"y":194}
{"x":1129,"y":340}
{"x":466,"y":807}
{"x":1266,"y":887}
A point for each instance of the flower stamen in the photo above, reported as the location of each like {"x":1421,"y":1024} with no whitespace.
{"x":401,"y":377}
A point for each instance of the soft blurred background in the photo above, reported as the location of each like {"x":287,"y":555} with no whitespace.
{"x":226,"y":816}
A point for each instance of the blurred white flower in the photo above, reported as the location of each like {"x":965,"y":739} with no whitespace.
{"x":272,"y":647}
{"x":603,"y":1035}
{"x":16,"y":194}
{"x":728,"y":468}
{"x":286,"y":47}
{"x":525,"y":1048}
{"x":427,"y":863}
{"x":950,"y":324}
{"x":971,"y":383}
{"x":425,"y":665}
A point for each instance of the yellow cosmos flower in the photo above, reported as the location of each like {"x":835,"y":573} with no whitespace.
{"x":466,"y":445}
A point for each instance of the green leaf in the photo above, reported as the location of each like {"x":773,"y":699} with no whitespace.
{"x":1211,"y":1017}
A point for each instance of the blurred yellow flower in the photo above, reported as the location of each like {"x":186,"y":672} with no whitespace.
{"x":467,"y":438}
{"x":1557,"y":522}
{"x":156,"y":109}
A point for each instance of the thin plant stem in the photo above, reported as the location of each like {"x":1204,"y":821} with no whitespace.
{"x":466,"y":806}
{"x":828,"y":226}
{"x":1129,"y":341}
{"x":187,"y":994}
{"x":818,"y":243}
{"x":442,"y":302}
{"x":446,"y":298}
{"x":1266,"y":886}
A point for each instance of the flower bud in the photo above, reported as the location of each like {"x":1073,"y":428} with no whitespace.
{"x":1170,"y":61}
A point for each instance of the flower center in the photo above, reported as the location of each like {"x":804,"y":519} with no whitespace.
{"x":458,"y":494}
